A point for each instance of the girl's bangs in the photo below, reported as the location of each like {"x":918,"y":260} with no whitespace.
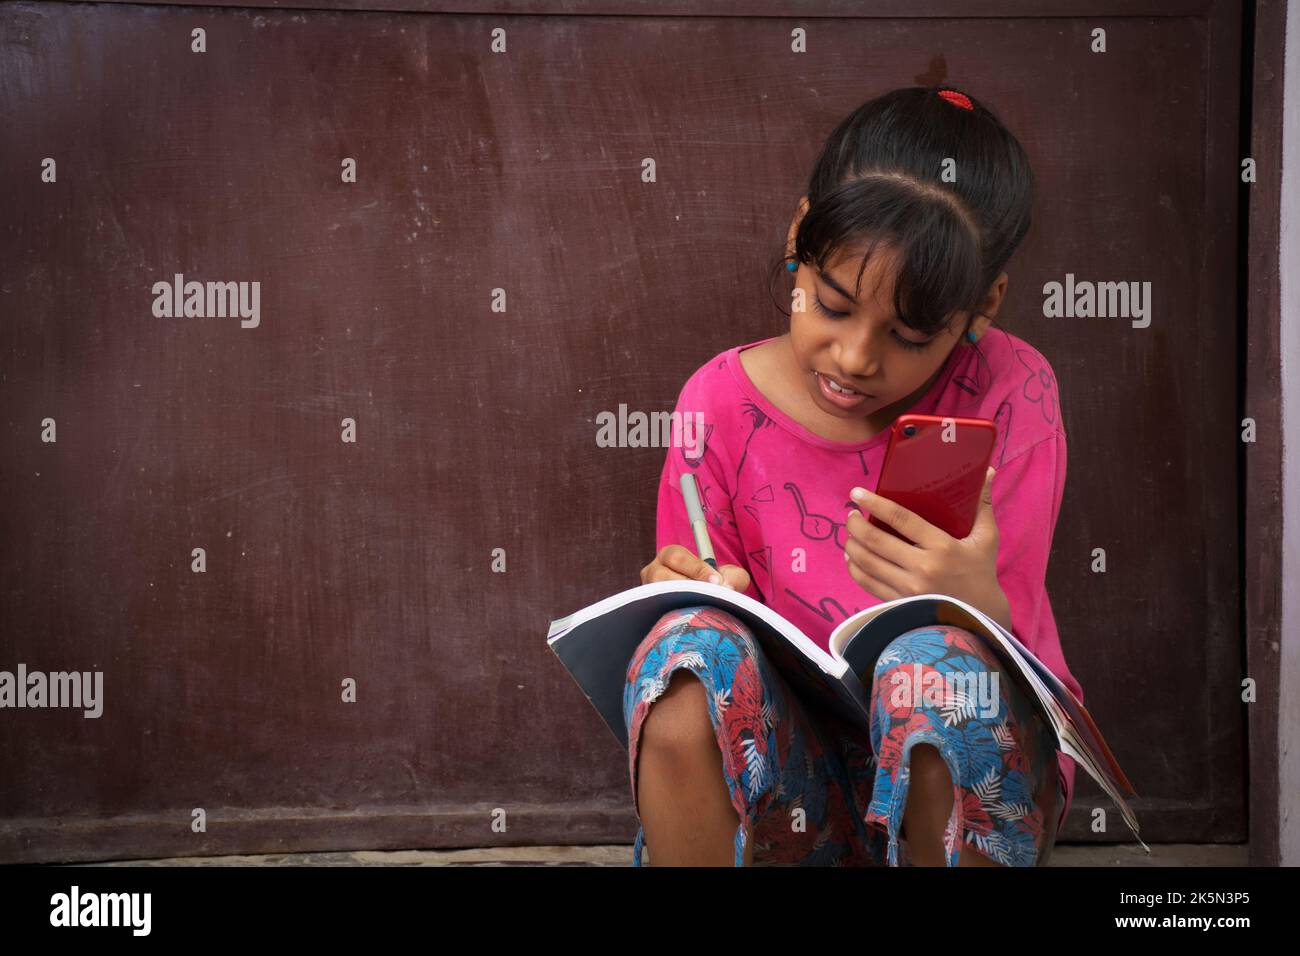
{"x":933,"y":248}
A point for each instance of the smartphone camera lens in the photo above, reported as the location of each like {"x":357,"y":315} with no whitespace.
{"x":909,"y":430}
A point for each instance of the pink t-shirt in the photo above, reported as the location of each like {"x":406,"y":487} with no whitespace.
{"x":769,"y":485}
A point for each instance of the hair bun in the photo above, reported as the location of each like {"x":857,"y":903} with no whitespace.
{"x":957,"y":99}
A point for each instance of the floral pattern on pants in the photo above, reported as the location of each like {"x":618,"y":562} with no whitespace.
{"x":819,"y":792}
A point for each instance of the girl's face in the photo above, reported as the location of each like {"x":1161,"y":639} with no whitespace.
{"x":853,"y":338}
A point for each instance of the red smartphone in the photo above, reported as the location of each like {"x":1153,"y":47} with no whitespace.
{"x":935,"y":468}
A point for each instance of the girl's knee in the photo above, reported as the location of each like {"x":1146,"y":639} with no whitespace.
{"x":678,"y":720}
{"x":927,"y":645}
{"x":930,"y":770}
{"x":702,"y":617}
{"x":702,"y":635}
{"x":715,"y":648}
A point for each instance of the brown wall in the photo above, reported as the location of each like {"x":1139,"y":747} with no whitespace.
{"x":476,"y":429}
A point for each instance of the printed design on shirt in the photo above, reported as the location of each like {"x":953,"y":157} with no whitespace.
{"x":763,"y":495}
{"x":1040,"y":386}
{"x":722,"y":517}
{"x":1003,"y":422}
{"x":818,"y":527}
{"x":761,"y":561}
{"x":758,"y":420}
{"x":693,"y":461}
{"x":974,"y":381}
{"x":821,"y":609}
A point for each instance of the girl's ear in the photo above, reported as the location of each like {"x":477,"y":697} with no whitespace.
{"x":979,"y":324}
{"x":980,"y":321}
{"x":993,"y":299}
{"x":794,"y":224}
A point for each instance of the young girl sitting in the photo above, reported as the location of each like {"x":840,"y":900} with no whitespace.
{"x":914,"y":207}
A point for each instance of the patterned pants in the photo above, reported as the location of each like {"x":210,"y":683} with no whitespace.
{"x":818,"y":791}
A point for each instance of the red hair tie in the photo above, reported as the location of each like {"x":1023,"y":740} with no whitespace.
{"x":957,"y":99}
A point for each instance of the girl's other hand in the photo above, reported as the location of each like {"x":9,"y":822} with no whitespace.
{"x":937,"y":563}
{"x":675,"y":563}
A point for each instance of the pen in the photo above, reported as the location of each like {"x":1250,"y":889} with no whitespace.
{"x":696,"y":515}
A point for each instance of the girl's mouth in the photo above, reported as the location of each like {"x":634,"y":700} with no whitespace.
{"x":841,"y":398}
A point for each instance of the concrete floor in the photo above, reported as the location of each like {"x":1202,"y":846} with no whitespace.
{"x":1124,"y":855}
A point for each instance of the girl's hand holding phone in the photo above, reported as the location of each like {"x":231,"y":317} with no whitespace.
{"x":675,"y":562}
{"x":890,"y":568}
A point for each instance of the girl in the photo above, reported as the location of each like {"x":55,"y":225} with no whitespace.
{"x":914,"y":207}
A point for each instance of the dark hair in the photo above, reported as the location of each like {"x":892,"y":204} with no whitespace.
{"x":878,"y":181}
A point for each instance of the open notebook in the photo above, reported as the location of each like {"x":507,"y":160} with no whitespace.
{"x":596,"y":645}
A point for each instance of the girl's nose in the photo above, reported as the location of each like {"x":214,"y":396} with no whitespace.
{"x":860,"y":356}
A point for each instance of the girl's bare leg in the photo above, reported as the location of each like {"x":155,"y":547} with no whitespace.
{"x":929,"y":805}
{"x":681,"y":789}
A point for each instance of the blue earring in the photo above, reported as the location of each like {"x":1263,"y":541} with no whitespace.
{"x":792,"y":265}
{"x":971,"y":336}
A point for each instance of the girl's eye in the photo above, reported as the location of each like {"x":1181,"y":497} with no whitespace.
{"x":832,"y":314}
{"x":829,"y":313}
{"x":909,"y":344}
